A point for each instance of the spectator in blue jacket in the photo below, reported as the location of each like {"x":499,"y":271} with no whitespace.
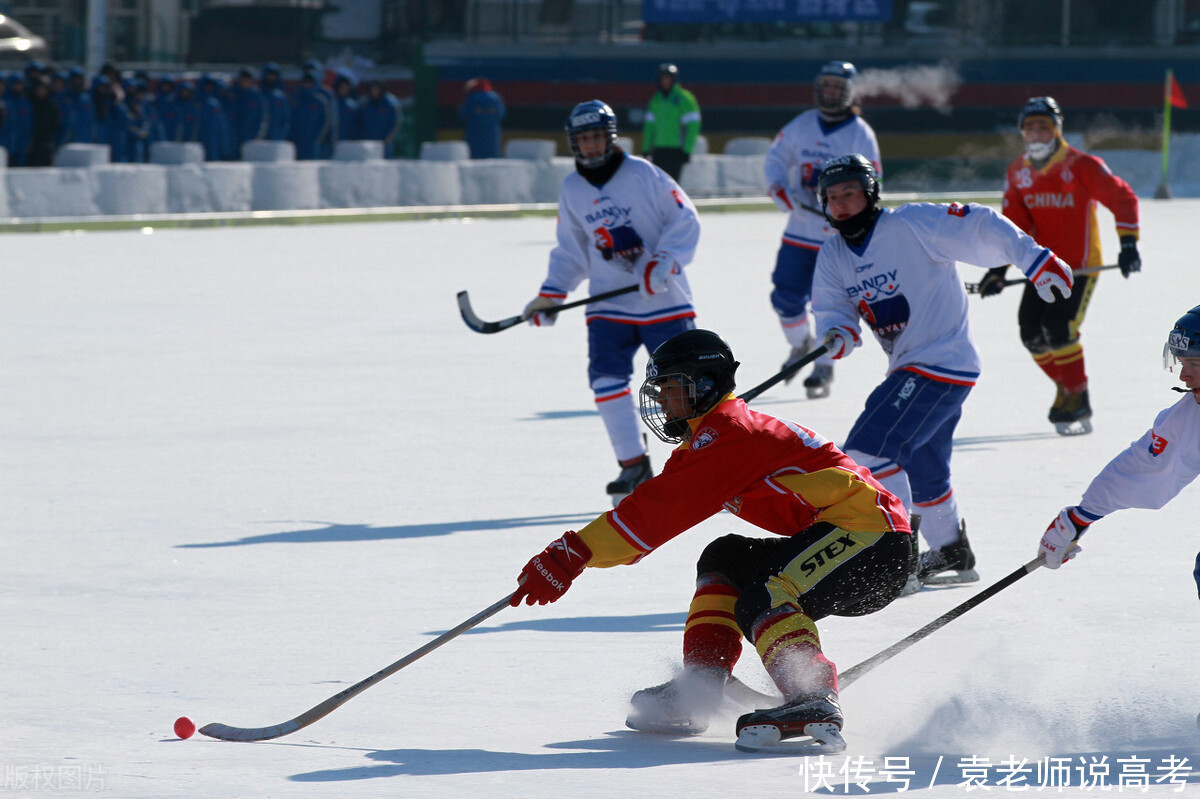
{"x":248,"y":118}
{"x":18,"y":122}
{"x":61,"y":99}
{"x":112,"y":120}
{"x":481,"y":112}
{"x":216,"y":133}
{"x":81,"y":119}
{"x":346,"y":116}
{"x":379,"y":116}
{"x":279,"y":109}
{"x":145,"y":128}
{"x":311,"y":122}
{"x":45,"y":118}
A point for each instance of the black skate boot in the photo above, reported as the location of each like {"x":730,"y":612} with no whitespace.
{"x":1060,"y":396}
{"x":681,"y":706}
{"x":951,"y":564}
{"x":1074,"y":416}
{"x":815,"y":719}
{"x":913,"y":584}
{"x":796,"y":354}
{"x":816,"y":385}
{"x":629,"y":478}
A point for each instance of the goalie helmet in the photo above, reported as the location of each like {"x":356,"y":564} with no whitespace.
{"x":592,"y":115}
{"x":702,"y":365}
{"x":833,"y":89}
{"x":1184,"y":340}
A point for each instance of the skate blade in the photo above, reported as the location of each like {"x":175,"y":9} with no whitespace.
{"x":817,"y":392}
{"x":820,"y":738}
{"x":1078,"y":428}
{"x":952,"y":578}
{"x":680,"y":727}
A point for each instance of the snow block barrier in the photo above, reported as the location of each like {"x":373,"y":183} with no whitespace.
{"x":445,"y":151}
{"x":531,"y":149}
{"x":286,"y":187}
{"x":125,"y":189}
{"x":495,"y":180}
{"x":51,"y":192}
{"x":176,"y":152}
{"x":363,"y":184}
{"x":269,"y":152}
{"x":358,"y":151}
{"x":72,"y":155}
{"x":429,"y":183}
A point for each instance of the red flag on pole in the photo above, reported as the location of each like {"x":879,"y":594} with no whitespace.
{"x":1174,"y":93}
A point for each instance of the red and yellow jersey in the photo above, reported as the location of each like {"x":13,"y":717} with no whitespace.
{"x":1056,"y":205}
{"x":773,"y":473}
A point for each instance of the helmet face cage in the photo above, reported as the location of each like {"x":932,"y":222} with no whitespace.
{"x":1183,"y":341}
{"x":592,"y":115}
{"x":668,"y":429}
{"x":836,"y":76}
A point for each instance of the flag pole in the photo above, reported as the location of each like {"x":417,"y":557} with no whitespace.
{"x":1163,"y":192}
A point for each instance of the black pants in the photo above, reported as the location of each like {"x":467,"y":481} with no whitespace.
{"x":1047,"y":326}
{"x":670,"y":160}
{"x":835,"y":572}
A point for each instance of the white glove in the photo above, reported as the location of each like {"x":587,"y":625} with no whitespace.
{"x":1053,"y":274}
{"x":1058,"y":544}
{"x":841,"y":341}
{"x":533,"y":311}
{"x":656,"y":274}
{"x":782,"y":198}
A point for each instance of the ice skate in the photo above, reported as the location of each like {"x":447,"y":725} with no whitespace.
{"x":796,"y":354}
{"x":629,"y":478}
{"x":1074,"y":416}
{"x":681,"y":706}
{"x":951,"y":564}
{"x":816,"y":385}
{"x":913,"y":584}
{"x":808,"y":725}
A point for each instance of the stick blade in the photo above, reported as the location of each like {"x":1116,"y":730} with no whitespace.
{"x":228,"y":733}
{"x":473,"y":321}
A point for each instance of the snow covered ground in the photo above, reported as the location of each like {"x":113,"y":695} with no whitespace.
{"x":244,"y":469}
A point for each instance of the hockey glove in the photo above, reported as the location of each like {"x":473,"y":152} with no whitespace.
{"x":547,"y":576}
{"x":656,"y":274}
{"x":781,"y":197}
{"x":1058,"y":542}
{"x":993,"y":282}
{"x":1129,"y":260}
{"x":534,"y":311}
{"x":840,"y":341}
{"x":1053,"y":274}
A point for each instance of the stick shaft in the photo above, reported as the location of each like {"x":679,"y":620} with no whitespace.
{"x":853,"y":673}
{"x":784,"y":374}
{"x":231,"y":733}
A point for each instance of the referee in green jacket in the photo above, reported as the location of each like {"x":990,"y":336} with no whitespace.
{"x":672,"y":123}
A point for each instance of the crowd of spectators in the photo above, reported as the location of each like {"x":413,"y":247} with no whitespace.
{"x":43,"y":108}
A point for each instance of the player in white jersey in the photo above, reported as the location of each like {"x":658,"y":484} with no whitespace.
{"x":792,"y":168}
{"x":1155,"y":468}
{"x":621,"y":221}
{"x":894,"y":269}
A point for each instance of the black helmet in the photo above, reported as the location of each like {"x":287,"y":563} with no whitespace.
{"x":1041,"y":107}
{"x":1184,"y":339}
{"x":698,"y":360}
{"x":668,"y":69}
{"x":839,"y":170}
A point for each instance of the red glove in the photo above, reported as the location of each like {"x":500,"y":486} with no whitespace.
{"x":549,"y":574}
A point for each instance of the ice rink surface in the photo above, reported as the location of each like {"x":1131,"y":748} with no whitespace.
{"x":243,"y":469}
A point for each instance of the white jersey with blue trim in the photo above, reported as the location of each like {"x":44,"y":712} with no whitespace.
{"x":795,"y":159}
{"x":902,"y":282}
{"x":1154,"y":469}
{"x":606,"y":234}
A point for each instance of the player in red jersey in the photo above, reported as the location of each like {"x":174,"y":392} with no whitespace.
{"x":1051,"y":193}
{"x":842,"y":544}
